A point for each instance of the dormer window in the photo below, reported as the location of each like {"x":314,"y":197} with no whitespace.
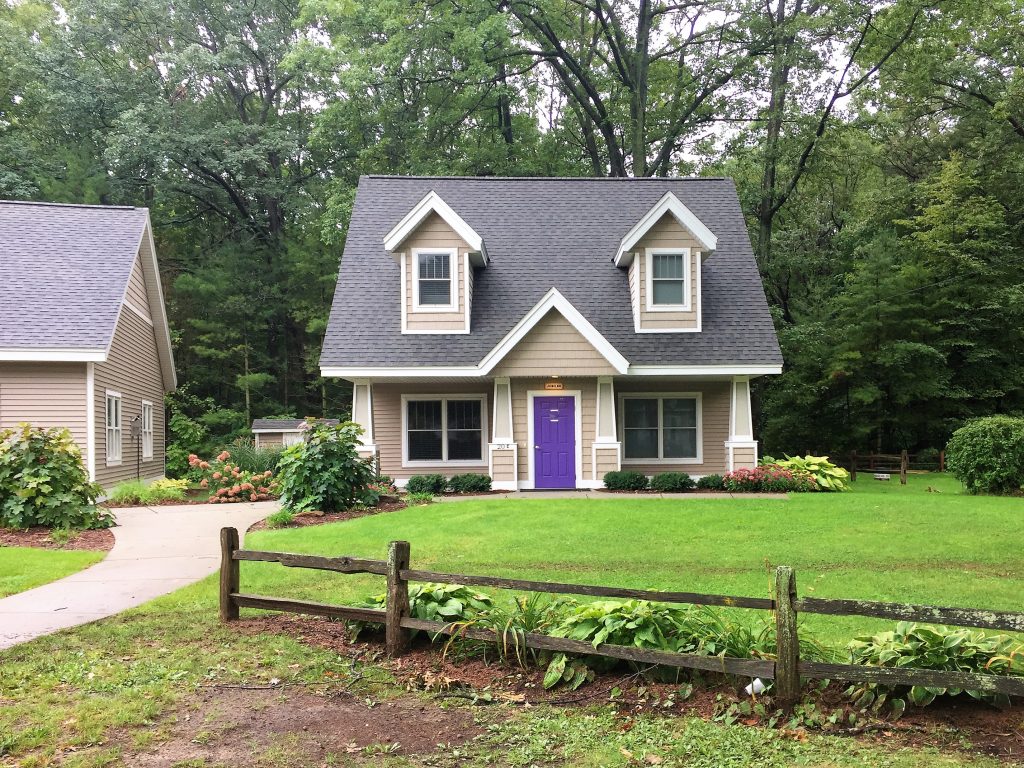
{"x":668,"y":277}
{"x":434,"y":286}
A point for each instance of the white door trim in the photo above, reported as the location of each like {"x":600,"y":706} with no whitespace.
{"x":577,"y":396}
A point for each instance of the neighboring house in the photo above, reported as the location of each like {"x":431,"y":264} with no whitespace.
{"x":548,"y":331}
{"x":84,"y":342}
{"x":268,"y":433}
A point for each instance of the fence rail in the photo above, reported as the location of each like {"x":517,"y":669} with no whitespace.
{"x":786,"y":668}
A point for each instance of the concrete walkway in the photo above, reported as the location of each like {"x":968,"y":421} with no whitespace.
{"x":156,"y":551}
{"x":597,"y":494}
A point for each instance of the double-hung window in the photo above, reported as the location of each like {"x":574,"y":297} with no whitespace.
{"x":113,"y":437}
{"x":445,"y":430}
{"x":147,"y":430}
{"x":661,"y":428}
{"x":435,"y":280}
{"x":668,"y":275}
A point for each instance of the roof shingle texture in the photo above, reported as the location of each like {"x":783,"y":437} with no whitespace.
{"x":542,"y":233}
{"x":64,"y":270}
{"x":286,"y":424}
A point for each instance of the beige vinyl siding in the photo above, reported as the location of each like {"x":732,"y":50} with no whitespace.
{"x":607,"y":461}
{"x":45,"y":395}
{"x":133,"y":369}
{"x":434,"y":232}
{"x":503,"y":465}
{"x":521,"y":418}
{"x":743,"y":456}
{"x":387,"y":424}
{"x":554,"y":348}
{"x":715,"y":397}
{"x":667,"y":233}
{"x":137,"y":295}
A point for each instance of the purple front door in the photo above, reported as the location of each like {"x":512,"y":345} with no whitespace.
{"x":554,"y":434}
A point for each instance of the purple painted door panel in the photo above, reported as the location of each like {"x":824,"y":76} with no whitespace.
{"x":554,"y":435}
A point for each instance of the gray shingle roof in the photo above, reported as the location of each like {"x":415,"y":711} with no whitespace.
{"x":64,"y":270}
{"x":285,"y":425}
{"x":542,"y":233}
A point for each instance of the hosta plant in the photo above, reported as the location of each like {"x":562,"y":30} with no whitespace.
{"x":827,"y":476}
{"x":448,"y":603}
{"x":914,"y":646}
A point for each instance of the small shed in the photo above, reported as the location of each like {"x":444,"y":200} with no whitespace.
{"x":270,"y":433}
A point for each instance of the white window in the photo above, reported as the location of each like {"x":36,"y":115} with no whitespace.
{"x":147,"y":429}
{"x":668,"y":279}
{"x":661,"y":428}
{"x":448,"y":430}
{"x":113,"y":428}
{"x":434,"y":283}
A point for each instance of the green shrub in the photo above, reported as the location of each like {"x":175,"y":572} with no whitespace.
{"x":672,"y":482}
{"x":418,"y":499}
{"x":826,"y":475}
{"x":987,"y":454}
{"x":324,"y":471}
{"x":280,"y":519}
{"x":432,"y":484}
{"x":938,"y":648}
{"x":252,"y":459}
{"x":137,"y":492}
{"x":470,"y":483}
{"x":927,"y":456}
{"x":43,"y":481}
{"x":711,"y":483}
{"x":625,"y":481}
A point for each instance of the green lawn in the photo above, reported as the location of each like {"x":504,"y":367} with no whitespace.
{"x":23,"y":568}
{"x":93,"y":695}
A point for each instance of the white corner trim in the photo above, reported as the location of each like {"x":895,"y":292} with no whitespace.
{"x":669,"y":203}
{"x":433,"y":203}
{"x":553,"y":300}
{"x":90,"y":420}
{"x":52,"y":355}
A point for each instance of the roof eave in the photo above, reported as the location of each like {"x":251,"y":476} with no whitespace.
{"x":52,"y":355}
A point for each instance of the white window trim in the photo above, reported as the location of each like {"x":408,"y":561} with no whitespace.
{"x":443,"y":462}
{"x":113,"y":460}
{"x":660,"y":396}
{"x":687,"y":280}
{"x":147,"y":434}
{"x":453,"y":281}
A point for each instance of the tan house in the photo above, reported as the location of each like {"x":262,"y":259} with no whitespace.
{"x":84,"y":341}
{"x":548,"y":331}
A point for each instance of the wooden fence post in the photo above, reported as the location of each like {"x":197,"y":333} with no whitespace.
{"x":942,"y":461}
{"x":904,"y":461}
{"x":396,"y":638}
{"x":853,"y":466}
{"x":787,"y":663}
{"x":229,"y":574}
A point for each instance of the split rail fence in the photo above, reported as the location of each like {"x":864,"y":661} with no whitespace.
{"x":786,"y":669}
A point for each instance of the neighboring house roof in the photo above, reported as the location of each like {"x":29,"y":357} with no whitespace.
{"x":64,"y":273}
{"x":544,"y":233}
{"x":285,"y":425}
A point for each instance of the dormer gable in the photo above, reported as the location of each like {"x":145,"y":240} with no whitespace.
{"x":432,"y":204}
{"x":663,"y":254}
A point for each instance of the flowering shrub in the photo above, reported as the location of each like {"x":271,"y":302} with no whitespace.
{"x":227,"y":482}
{"x":324,"y":471}
{"x":768,"y":478}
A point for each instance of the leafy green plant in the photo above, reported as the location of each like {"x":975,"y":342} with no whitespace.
{"x":138,"y":492}
{"x":711,"y":483}
{"x":324,"y":471}
{"x":826,"y":475}
{"x":987,"y":455}
{"x":228,"y":483}
{"x":432,"y":484}
{"x":672,"y":482}
{"x":419,"y":499}
{"x":531,"y":614}
{"x":280,"y":519}
{"x":768,"y":478}
{"x":914,"y":646}
{"x":449,"y":603}
{"x":625,"y":480}
{"x":470,"y":483}
{"x":43,"y":481}
{"x":246,"y":455}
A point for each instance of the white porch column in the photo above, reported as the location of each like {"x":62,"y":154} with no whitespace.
{"x":606,"y":449}
{"x":362,"y":414}
{"x":503,"y":451}
{"x":740,"y":448}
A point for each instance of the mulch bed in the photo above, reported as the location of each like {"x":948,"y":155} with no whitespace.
{"x":960,"y":724}
{"x":305,"y":519}
{"x":39,"y":537}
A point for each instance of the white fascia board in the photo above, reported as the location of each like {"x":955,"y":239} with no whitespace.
{"x":158,"y":311}
{"x":53,"y":355}
{"x":703,"y":370}
{"x":472,"y":371}
{"x":433,"y":203}
{"x":554,"y":300}
{"x":274,"y":431}
{"x":377,"y":372}
{"x":669,"y":203}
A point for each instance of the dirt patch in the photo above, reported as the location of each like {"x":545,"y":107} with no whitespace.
{"x":235,"y":727}
{"x":41,"y":538}
{"x":305,"y":519}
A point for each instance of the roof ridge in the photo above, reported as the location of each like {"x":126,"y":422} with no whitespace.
{"x":549,"y":178}
{"x":73,"y":205}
